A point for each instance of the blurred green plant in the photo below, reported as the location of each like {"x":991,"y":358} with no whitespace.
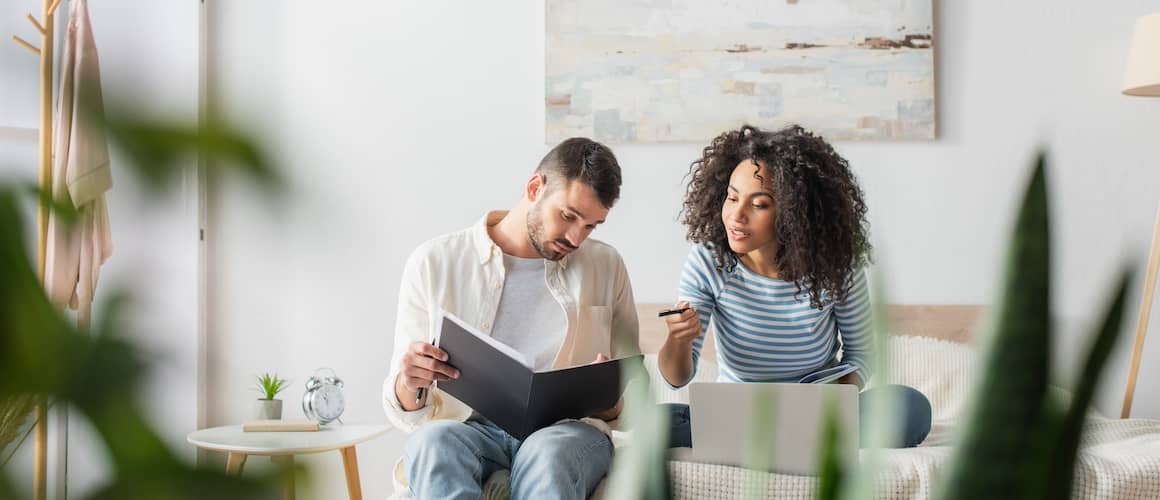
{"x":640,"y":470}
{"x":1020,"y":441}
{"x":43,"y":356}
{"x":830,"y":470}
{"x":761,"y":434}
{"x":270,"y":385}
{"x":157,"y":147}
{"x":14,"y":417}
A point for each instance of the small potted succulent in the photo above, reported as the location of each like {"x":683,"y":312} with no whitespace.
{"x":267,"y":407}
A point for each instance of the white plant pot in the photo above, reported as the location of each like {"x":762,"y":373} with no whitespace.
{"x":268,"y":409}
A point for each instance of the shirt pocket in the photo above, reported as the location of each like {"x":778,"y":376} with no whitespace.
{"x":593,"y":332}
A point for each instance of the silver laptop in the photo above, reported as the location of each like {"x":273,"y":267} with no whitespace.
{"x":772,"y":427}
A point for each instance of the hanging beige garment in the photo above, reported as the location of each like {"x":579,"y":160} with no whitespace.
{"x":81,"y":174}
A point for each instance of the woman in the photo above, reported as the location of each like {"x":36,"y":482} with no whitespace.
{"x":781,"y":239}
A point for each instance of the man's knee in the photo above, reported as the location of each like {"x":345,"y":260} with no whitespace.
{"x":565,"y":445}
{"x":442,"y":437}
{"x":561,"y":461}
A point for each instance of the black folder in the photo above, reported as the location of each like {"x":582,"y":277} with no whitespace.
{"x":515,"y":397}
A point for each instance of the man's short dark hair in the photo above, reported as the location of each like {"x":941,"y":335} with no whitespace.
{"x":585,"y":160}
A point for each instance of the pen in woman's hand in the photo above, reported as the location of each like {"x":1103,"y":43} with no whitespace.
{"x":671,"y":312}
{"x":419,"y":393}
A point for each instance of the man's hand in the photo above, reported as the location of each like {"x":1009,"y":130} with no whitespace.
{"x":685,"y":327}
{"x":423,"y":365}
{"x":611,"y":413}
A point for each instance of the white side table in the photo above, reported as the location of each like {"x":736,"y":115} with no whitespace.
{"x":282,"y":446}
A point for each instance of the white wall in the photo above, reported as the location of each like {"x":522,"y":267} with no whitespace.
{"x":18,"y":145}
{"x":149,"y":59}
{"x":398,"y":121}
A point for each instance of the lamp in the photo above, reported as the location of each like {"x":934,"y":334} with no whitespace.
{"x":1142,"y":78}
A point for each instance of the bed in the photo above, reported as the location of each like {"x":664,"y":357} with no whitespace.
{"x":931,"y":348}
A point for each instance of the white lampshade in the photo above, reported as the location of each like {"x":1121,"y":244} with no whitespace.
{"x":1142,"y":77}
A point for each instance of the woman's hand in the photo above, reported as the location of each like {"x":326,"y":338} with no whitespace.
{"x":851,"y":378}
{"x":675,"y":360}
{"x":685,"y":327}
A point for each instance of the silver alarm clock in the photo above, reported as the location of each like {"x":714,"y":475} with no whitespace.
{"x":323,"y":401}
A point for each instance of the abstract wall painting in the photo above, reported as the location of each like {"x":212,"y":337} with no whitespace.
{"x":648,"y":71}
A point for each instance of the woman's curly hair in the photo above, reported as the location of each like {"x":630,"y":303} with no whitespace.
{"x":820,"y":215}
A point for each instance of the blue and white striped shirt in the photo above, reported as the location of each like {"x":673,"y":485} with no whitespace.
{"x":766,"y":330}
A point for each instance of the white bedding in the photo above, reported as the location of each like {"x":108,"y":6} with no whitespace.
{"x":1119,"y":459}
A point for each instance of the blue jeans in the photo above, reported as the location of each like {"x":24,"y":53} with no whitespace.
{"x":447,"y":459}
{"x":913,"y":427}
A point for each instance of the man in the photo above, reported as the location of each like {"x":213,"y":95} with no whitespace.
{"x":528,"y":278}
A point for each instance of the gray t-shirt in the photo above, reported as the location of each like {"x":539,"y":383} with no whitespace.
{"x":529,"y":319}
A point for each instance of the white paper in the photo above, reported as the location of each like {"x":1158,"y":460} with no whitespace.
{"x":827,"y":375}
{"x":500,"y":346}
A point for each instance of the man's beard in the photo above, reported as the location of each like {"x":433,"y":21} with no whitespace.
{"x":536,"y":234}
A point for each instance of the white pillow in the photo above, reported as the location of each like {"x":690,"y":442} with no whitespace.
{"x":943,"y":371}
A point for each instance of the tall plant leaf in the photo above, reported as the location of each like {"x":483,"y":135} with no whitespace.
{"x":990,"y":458}
{"x":1061,"y":469}
{"x":641,"y":471}
{"x":831,"y":472}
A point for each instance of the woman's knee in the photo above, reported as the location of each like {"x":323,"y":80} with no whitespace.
{"x":916,"y":414}
{"x":912,"y":408}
